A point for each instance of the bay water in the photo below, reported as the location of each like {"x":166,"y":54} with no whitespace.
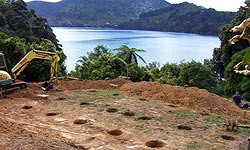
{"x":162,"y":47}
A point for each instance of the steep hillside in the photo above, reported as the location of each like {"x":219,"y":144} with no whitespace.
{"x":156,"y":15}
{"x":93,"y":12}
{"x":21,"y":31}
{"x":17,"y":20}
{"x":183,"y":17}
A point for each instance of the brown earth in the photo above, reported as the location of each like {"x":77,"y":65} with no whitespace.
{"x":118,"y":114}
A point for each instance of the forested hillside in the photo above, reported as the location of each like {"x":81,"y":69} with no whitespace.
{"x":21,"y":31}
{"x":183,"y":17}
{"x":156,"y":15}
{"x":93,"y":12}
{"x":17,"y":20}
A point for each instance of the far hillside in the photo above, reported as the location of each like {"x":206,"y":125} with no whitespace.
{"x":157,"y":15}
{"x":93,"y":12}
{"x":183,"y":17}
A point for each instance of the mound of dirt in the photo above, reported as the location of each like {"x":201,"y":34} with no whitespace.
{"x":34,"y":89}
{"x":89,"y":84}
{"x":189,"y":97}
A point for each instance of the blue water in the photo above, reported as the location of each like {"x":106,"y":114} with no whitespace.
{"x":162,"y":47}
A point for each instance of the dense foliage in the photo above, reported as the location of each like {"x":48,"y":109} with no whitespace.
{"x":236,"y":82}
{"x":190,"y":74}
{"x":228,"y":55}
{"x":106,"y":65}
{"x":21,"y":31}
{"x":222,"y":55}
{"x":102,"y":64}
{"x":93,"y":12}
{"x":183,"y":17}
{"x":17,"y":20}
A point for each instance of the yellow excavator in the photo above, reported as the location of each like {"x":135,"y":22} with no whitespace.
{"x":8,"y":84}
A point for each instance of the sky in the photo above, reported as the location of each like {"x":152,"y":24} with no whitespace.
{"x":219,"y":5}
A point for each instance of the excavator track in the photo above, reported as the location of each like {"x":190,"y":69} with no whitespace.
{"x":13,"y":87}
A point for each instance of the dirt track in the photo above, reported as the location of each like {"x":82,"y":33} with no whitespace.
{"x":117,"y":114}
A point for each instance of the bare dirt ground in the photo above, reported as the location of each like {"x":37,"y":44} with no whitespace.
{"x":119,"y":115}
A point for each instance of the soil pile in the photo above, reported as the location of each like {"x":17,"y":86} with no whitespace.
{"x":89,"y":84}
{"x":189,"y":97}
{"x":34,"y":89}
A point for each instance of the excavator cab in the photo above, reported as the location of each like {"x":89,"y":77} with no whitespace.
{"x":3,"y":65}
{"x":7,"y":84}
{"x":5,"y":78}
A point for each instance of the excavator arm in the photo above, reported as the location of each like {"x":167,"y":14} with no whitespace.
{"x":36,"y":54}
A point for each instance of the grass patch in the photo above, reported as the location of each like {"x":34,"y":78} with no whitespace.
{"x":85,"y":99}
{"x":207,"y":126}
{"x":214,"y":119}
{"x":78,"y":91}
{"x":243,"y":131}
{"x":71,"y":96}
{"x":183,"y":113}
{"x":94,"y":94}
{"x":102,"y":94}
{"x":193,"y":145}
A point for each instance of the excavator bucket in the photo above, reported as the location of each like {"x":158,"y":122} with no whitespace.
{"x":46,"y":86}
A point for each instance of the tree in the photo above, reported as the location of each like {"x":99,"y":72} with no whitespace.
{"x":222,"y":56}
{"x":2,"y":20}
{"x":155,"y":73}
{"x":239,"y":83}
{"x":169,"y":74}
{"x":21,"y":22}
{"x":136,"y":73}
{"x":101,"y":64}
{"x":98,"y":50}
{"x":129,"y":55}
{"x":236,"y":82}
{"x":154,"y":70}
{"x":107,"y":66}
{"x":82,"y":68}
{"x":14,"y":48}
{"x":198,"y":75}
{"x":86,"y":64}
{"x":152,"y":65}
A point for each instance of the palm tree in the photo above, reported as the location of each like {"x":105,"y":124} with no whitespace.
{"x":129,"y":55}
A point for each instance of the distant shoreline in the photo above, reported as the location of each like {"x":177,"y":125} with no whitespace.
{"x":108,"y":28}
